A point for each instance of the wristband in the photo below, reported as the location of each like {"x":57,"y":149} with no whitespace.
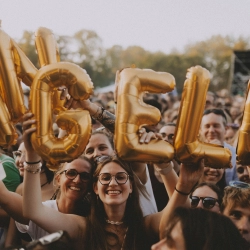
{"x":180,"y":192}
{"x":33,"y":168}
{"x":31,"y":163}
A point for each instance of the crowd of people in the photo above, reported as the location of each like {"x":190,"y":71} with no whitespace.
{"x":99,"y":201}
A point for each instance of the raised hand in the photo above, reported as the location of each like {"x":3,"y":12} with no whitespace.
{"x":31,"y":155}
{"x":190,"y":174}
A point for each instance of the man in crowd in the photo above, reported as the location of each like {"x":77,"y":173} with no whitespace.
{"x":236,"y":206}
{"x":213,"y":126}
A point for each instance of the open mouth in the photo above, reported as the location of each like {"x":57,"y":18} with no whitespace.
{"x":75,"y":188}
{"x":113,"y":192}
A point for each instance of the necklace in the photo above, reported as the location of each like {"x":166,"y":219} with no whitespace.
{"x":114,"y":222}
{"x":124,"y":238}
{"x":44,"y":184}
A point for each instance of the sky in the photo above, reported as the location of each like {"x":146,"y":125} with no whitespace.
{"x":155,"y":25}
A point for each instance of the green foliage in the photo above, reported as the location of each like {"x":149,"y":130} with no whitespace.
{"x":85,"y":49}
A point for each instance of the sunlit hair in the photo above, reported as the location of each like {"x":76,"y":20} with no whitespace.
{"x":235,"y":197}
{"x":133,"y":217}
{"x":205,"y":230}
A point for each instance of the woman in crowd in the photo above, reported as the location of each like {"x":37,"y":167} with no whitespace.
{"x":73,"y":185}
{"x":101,"y":143}
{"x":115,"y":213}
{"x":200,"y":229}
{"x":215,"y":176}
{"x":47,"y":189}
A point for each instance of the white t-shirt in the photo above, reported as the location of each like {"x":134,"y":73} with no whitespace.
{"x":148,"y":205}
{"x":32,"y":229}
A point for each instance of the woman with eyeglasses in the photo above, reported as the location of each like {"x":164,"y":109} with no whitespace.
{"x":73,"y":182}
{"x":115,"y":221}
{"x":101,"y":144}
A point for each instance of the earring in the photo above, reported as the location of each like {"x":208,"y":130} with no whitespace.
{"x":97,"y":197}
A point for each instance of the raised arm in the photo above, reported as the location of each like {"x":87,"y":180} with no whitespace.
{"x":11,"y":203}
{"x":48,"y":219}
{"x":98,"y":113}
{"x":189,"y":176}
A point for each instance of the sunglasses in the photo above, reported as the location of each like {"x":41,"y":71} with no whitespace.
{"x":207,"y":202}
{"x":72,"y":173}
{"x":238,"y":184}
{"x":120,"y":178}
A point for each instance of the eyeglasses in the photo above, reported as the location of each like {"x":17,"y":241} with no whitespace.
{"x":17,"y":153}
{"x":239,"y":184}
{"x":207,"y":202}
{"x":120,"y":178}
{"x":72,"y":173}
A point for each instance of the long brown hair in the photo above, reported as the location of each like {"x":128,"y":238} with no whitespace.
{"x":133,"y":217}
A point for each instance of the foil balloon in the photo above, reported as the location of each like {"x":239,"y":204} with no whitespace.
{"x":132,"y":113}
{"x":46,"y":46}
{"x":10,"y":72}
{"x":187,"y":146}
{"x":77,"y":122}
{"x":14,"y":66}
{"x":243,"y":145}
{"x":48,"y":53}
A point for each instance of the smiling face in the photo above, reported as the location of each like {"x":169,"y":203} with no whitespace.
{"x":212,"y":127}
{"x":205,"y":191}
{"x":20,"y":158}
{"x":98,"y":145}
{"x":212,"y":175}
{"x":74,"y":189}
{"x":113,"y":194}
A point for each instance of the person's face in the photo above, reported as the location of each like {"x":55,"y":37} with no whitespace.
{"x":242,"y":173}
{"x":174,"y":241}
{"x":167,"y":133}
{"x":212,"y":127}
{"x":206,"y":191}
{"x":241,"y":218}
{"x":98,"y":145}
{"x":212,"y":175}
{"x":113,"y":194}
{"x":209,"y":102}
{"x":230,"y":132}
{"x":20,"y":158}
{"x":74,"y":189}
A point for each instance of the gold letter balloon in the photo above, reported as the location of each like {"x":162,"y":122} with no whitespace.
{"x":243,"y":146}
{"x":77,"y":122}
{"x":188,"y":148}
{"x":14,"y":65}
{"x":132,"y":113}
